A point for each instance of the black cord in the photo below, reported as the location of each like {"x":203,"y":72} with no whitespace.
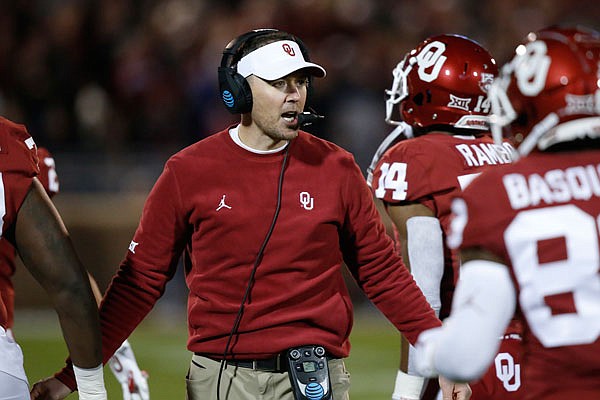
{"x":240,"y":313}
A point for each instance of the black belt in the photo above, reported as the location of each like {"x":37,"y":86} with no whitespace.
{"x":273,"y":364}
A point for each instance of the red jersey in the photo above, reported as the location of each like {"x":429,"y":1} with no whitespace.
{"x":215,"y":202}
{"x":18,"y":166}
{"x":544,"y":225}
{"x":49,"y":180}
{"x":431,"y":170}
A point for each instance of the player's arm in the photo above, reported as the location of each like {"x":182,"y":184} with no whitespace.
{"x":483,"y":305}
{"x":420,"y":238}
{"x":123,"y":364}
{"x":47,"y":251}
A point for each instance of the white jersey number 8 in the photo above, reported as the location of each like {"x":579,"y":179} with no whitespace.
{"x":576,"y":276}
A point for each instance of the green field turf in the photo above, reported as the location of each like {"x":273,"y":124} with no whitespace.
{"x":160,"y":349}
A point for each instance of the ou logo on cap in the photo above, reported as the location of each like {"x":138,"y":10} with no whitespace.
{"x":288,"y":49}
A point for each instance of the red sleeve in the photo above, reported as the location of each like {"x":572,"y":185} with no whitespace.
{"x":380,"y":272}
{"x":150,"y":263}
{"x":481,"y":226}
{"x":18,"y":166}
{"x":18,"y":149}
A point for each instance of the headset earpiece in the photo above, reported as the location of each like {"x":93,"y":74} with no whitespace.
{"x":235,"y":91}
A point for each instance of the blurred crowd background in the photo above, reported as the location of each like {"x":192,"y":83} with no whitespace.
{"x":114,"y":87}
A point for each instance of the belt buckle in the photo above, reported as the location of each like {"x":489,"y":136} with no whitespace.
{"x":276,"y":367}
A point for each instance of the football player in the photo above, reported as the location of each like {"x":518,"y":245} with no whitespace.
{"x":442,"y":141}
{"x":32,"y":224}
{"x":123,"y":364}
{"x":531,"y":243}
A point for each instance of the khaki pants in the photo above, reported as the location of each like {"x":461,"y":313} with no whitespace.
{"x":246,"y":384}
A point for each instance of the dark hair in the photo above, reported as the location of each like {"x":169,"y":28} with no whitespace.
{"x":262,"y":40}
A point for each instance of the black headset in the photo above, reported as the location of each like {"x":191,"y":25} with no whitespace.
{"x":234,"y":89}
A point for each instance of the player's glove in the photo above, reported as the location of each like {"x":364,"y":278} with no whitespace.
{"x":134,"y":382}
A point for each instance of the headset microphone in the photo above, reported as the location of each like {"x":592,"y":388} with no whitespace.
{"x":308,"y":118}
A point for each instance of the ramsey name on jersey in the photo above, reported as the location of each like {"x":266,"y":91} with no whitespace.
{"x":480,"y":154}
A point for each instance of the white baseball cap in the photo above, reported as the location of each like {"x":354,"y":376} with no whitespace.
{"x":276,"y":60}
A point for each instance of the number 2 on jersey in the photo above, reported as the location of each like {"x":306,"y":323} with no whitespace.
{"x":393,"y":177}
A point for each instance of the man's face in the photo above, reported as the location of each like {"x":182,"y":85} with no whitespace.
{"x":276,"y":104}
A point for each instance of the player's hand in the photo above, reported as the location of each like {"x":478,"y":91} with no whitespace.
{"x":134,"y":382}
{"x":454,"y":391}
{"x":49,"y":389}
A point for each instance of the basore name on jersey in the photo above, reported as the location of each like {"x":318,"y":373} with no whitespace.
{"x":555,"y":186}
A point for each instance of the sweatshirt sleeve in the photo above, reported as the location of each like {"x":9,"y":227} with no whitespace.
{"x":151,"y":261}
{"x":369,"y":254}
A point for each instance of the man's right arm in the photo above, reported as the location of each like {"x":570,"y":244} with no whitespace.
{"x":140,"y":281}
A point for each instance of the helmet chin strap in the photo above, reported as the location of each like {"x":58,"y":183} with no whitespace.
{"x":402,"y":129}
{"x":502,"y":111}
{"x":397,"y":93}
{"x":580,"y":128}
{"x":541,"y":129}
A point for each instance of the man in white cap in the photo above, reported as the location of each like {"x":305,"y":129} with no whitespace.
{"x":265,"y":215}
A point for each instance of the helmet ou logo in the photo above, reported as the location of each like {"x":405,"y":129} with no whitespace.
{"x":531,"y":69}
{"x":432,"y":56}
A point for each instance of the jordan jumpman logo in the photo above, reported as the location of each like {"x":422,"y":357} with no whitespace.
{"x":222,"y":204}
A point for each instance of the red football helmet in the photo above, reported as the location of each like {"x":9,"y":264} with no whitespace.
{"x":549,"y":86}
{"x":443,"y":82}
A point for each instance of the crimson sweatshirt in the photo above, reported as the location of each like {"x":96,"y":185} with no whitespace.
{"x":214,"y":202}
